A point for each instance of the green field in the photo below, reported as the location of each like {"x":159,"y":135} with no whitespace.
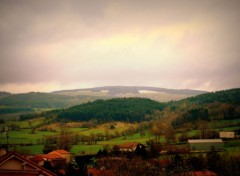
{"x":23,"y":137}
{"x":27,"y":123}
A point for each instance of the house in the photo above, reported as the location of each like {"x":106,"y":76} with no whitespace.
{"x":38,"y":160}
{"x":13,"y":164}
{"x":55,"y":160}
{"x":63,"y":153}
{"x":227,"y":134}
{"x":130,"y":146}
{"x":205,"y":144}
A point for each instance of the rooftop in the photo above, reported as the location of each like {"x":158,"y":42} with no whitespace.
{"x":51,"y":156}
{"x":205,"y":141}
{"x":129,"y":145}
{"x":61,"y":151}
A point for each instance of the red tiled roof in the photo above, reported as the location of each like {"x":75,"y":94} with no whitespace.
{"x":61,"y":151}
{"x":36,"y":159}
{"x":129,"y":145}
{"x":51,"y":156}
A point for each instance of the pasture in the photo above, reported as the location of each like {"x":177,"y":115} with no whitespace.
{"x":26,"y":139}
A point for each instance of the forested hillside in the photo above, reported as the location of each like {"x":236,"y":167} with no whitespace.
{"x":210,"y":106}
{"x":120,"y":109}
{"x":225,"y":96}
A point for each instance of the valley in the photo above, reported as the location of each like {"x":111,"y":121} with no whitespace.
{"x":99,"y":128}
{"x":95,"y":125}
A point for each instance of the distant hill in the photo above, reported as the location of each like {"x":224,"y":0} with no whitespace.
{"x":4,"y":94}
{"x":67,"y":98}
{"x":44,"y":100}
{"x":117,"y":90}
{"x":210,"y":106}
{"x":154,"y":93}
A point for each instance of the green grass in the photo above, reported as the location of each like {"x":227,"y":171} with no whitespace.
{"x":27,"y":123}
{"x":229,"y":128}
{"x":77,"y":130}
{"x":34,"y":149}
{"x":24,"y":136}
{"x":92,"y":131}
{"x":232,"y":150}
{"x":87,"y":149}
{"x":76,"y":149}
{"x":192,"y":133}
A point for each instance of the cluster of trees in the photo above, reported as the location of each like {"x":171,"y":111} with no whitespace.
{"x":53,"y":142}
{"x":225,"y":96}
{"x":119,"y":109}
{"x":214,"y":111}
{"x":163,"y":128}
{"x":28,"y":116}
{"x":221,"y":105}
{"x":14,"y":109}
{"x":62,"y":141}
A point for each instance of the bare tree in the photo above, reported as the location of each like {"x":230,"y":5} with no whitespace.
{"x":203,"y":127}
{"x":65,"y":140}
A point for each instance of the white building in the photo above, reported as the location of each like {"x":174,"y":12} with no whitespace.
{"x":227,"y":134}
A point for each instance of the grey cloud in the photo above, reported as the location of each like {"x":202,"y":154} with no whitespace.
{"x":29,"y":24}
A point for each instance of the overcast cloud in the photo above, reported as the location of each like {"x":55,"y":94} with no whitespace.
{"x":50,"y":45}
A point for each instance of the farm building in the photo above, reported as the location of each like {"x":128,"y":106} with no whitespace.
{"x":227,"y":134}
{"x":205,"y":144}
{"x":63,"y":153}
{"x":131,"y":146}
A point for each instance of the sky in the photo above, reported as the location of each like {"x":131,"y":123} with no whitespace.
{"x":49,"y":45}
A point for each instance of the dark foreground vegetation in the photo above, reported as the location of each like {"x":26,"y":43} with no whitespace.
{"x":142,"y":163}
{"x":173,"y":164}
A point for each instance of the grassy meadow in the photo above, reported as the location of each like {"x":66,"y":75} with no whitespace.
{"x":27,"y":140}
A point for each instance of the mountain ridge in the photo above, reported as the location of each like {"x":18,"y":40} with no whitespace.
{"x":123,"y":89}
{"x":210,"y":106}
{"x":67,"y":98}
